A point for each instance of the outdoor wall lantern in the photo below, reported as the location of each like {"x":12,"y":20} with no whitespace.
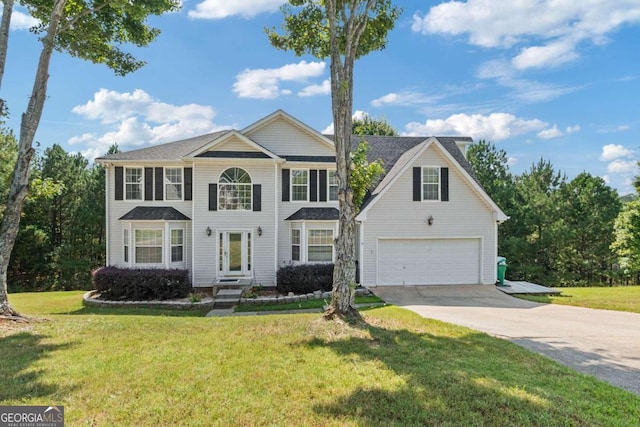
{"x":259,"y":231}
{"x":208,"y":231}
{"x":430,"y":220}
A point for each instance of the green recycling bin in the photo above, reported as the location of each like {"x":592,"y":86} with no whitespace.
{"x":502,"y":269}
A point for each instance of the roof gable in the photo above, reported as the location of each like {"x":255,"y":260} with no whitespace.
{"x":285,"y":135}
{"x":232,"y":144}
{"x":450,"y":151}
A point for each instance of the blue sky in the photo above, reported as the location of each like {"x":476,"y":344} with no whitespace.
{"x":540,"y":78}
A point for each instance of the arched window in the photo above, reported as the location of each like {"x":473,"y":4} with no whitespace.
{"x":234,"y":190}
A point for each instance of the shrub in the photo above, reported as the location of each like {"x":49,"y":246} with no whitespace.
{"x":147,"y":284}
{"x":305,"y":278}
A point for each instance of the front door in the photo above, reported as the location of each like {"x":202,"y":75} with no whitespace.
{"x":234,"y":253}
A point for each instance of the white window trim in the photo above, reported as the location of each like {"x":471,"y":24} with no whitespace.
{"x":333,"y":245}
{"x":250,"y":184}
{"x":126,"y":243}
{"x":291,"y":184}
{"x":329,"y":186}
{"x":135,"y":247}
{"x":171,"y":245}
{"x":165,"y":183}
{"x":128,"y":183}
{"x":422,"y":183}
{"x":299,"y":244}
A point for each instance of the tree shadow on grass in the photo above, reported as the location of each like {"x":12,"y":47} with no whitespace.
{"x":467,"y":380}
{"x":138,"y":311}
{"x":19,"y":379}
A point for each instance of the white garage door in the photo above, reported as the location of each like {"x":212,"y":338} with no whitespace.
{"x":428,"y":261}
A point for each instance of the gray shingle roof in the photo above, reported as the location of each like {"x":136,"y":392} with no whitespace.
{"x":314,"y":214}
{"x":169,"y":151}
{"x":154,"y":213}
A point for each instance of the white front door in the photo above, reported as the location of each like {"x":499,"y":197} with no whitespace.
{"x":234,"y":253}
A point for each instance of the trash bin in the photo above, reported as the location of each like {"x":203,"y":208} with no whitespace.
{"x":502,"y":269}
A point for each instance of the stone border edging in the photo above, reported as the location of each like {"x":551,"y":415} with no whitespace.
{"x":88,"y":300}
{"x":296,"y":298}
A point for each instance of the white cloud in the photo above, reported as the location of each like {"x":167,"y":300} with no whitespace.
{"x":135,"y":119}
{"x":220,"y":9}
{"x":623,"y":167}
{"x":22,"y":21}
{"x":623,"y":128}
{"x":527,"y":91}
{"x":322,"y":89}
{"x":572,"y":129}
{"x":551,"y":30}
{"x":404,"y":99}
{"x":494,"y":127}
{"x":263,"y":83}
{"x":613,"y":152}
{"x":550,"y":133}
{"x":512,"y":161}
{"x":358,"y":115}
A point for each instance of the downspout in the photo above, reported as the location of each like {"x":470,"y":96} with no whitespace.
{"x":276,"y":221}
{"x":107,"y":215}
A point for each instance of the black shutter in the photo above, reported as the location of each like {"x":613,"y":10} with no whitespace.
{"x":313,"y":185}
{"x":257,"y":197}
{"x":213,"y":197}
{"x":417,"y":184}
{"x":285,"y":185}
{"x":322,"y":178}
{"x":148,"y":183}
{"x":444,"y":184}
{"x":119,"y":183}
{"x":159,"y":183}
{"x":188,"y":183}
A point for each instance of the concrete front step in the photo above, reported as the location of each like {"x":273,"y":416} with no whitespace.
{"x":227,"y":298}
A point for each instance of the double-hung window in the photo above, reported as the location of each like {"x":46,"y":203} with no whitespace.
{"x":332,"y":186}
{"x":299,"y":185}
{"x":177,"y":245}
{"x":148,"y":246}
{"x":295,"y":245}
{"x":125,"y":238}
{"x":133,"y":183}
{"x":320,"y":245}
{"x":173,"y":183}
{"x":430,"y":183}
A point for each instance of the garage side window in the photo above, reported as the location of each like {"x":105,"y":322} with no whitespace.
{"x":430,"y":183}
{"x":320,"y":245}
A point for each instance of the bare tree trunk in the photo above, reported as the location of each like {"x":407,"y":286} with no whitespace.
{"x":20,"y":180}
{"x":7,"y":10}
{"x":344,"y":273}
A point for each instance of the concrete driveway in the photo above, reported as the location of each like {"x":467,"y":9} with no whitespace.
{"x":602,"y":343}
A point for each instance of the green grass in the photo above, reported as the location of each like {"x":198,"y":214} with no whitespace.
{"x":126,"y":367}
{"x":620,"y":298}
{"x":316,"y":303}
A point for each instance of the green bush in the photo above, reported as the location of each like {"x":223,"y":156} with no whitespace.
{"x":147,"y":284}
{"x":305,"y":278}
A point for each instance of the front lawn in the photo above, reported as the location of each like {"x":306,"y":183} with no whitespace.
{"x":620,"y":298}
{"x":130,"y":367}
{"x":302,"y":305}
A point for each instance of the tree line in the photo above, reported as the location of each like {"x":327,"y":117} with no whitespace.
{"x":561,"y":232}
{"x":61,"y":237}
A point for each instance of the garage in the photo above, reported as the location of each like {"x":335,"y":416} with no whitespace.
{"x":429,"y":261}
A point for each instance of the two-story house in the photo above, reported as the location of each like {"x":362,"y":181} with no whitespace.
{"x":234,"y":206}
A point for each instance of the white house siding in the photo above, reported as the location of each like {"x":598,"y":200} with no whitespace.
{"x":117,"y":208}
{"x":396,"y":216}
{"x":234,"y":144}
{"x":283,"y":138}
{"x":207,"y":171}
